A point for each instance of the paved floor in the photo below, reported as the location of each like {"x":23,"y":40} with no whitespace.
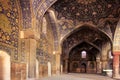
{"x":75,"y":76}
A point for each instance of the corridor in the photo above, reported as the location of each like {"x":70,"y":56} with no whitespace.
{"x":75,"y":76}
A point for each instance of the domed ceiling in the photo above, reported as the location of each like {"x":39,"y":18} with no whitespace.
{"x":87,"y":10}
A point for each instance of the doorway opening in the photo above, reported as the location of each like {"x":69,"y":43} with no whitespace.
{"x":4,"y":66}
{"x":83,"y":68}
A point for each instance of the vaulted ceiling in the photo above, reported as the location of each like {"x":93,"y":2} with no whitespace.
{"x":104,"y":14}
{"x":71,"y":14}
{"x":87,"y":10}
{"x":85,"y":38}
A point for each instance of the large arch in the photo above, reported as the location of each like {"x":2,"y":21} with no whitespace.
{"x":51,"y":18}
{"x":93,"y":37}
{"x":80,"y":26}
{"x":38,"y":6}
{"x":83,"y":26}
{"x":93,"y":45}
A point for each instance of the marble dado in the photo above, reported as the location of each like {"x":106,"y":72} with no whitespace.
{"x":18,"y":71}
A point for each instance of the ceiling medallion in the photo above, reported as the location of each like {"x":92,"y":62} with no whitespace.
{"x":86,"y":1}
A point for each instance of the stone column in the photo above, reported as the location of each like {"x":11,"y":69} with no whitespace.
{"x":37,"y":68}
{"x":49,"y":69}
{"x":104,"y":64}
{"x":116,"y":66}
{"x":57,"y":63}
{"x":66,"y":66}
{"x":61,"y":68}
{"x":104,"y":54}
{"x":98,"y":67}
{"x":30,"y":38}
{"x":30,"y":50}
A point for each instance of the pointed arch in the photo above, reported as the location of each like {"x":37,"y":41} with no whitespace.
{"x":78,"y":41}
{"x":81,"y":26}
{"x":51,"y":19}
{"x":85,"y":42}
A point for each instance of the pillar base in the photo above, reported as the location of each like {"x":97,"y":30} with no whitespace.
{"x":116,"y":77}
{"x":58,"y":72}
{"x":116,"y":67}
{"x":99,"y":72}
{"x":66,"y":72}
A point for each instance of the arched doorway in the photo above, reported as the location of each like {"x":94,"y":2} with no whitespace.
{"x":83,"y":68}
{"x":4,"y":66}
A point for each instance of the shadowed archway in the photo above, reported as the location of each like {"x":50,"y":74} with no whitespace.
{"x":89,"y":39}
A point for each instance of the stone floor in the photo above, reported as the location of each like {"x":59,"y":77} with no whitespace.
{"x":75,"y":76}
